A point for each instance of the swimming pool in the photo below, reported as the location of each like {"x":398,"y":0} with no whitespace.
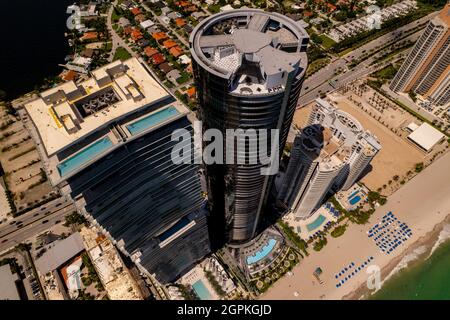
{"x":261,"y":254}
{"x":316,"y":223}
{"x":174,"y":229}
{"x":84,"y":156}
{"x":152,"y":120}
{"x":201,"y":291}
{"x":353,"y":194}
{"x":354,"y":200}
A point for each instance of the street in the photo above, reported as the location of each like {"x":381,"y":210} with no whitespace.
{"x":319,"y":82}
{"x":33,"y":222}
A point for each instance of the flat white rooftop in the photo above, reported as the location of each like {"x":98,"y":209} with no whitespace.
{"x":68,"y":112}
{"x":8,"y":284}
{"x":426,"y":136}
{"x":61,"y":252}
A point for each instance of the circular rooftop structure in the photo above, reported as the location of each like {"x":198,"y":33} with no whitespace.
{"x":228,"y":42}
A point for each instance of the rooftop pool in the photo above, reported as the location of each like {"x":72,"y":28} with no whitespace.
{"x":316,"y":223}
{"x":84,"y":156}
{"x":152,"y":120}
{"x":201,"y":291}
{"x":183,"y":222}
{"x":261,"y":254}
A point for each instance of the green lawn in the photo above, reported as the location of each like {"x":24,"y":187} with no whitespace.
{"x":316,"y":65}
{"x":115,"y":16}
{"x":327,"y":42}
{"x":214,"y":8}
{"x":386,"y":73}
{"x":122,"y":54}
{"x":344,"y":52}
{"x":108,"y":46}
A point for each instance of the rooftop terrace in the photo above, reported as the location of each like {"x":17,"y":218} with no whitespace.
{"x":70,"y":111}
{"x":253,"y":48}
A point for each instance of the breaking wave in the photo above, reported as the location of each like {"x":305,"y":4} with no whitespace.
{"x":404,"y":262}
{"x":444,"y":236}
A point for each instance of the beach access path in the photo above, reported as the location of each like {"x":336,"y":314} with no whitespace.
{"x":422,"y":203}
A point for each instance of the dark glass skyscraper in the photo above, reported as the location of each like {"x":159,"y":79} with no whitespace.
{"x":106,"y":143}
{"x":248,"y":66}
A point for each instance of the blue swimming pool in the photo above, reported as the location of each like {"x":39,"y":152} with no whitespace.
{"x":201,"y":291}
{"x":84,"y":156}
{"x":261,"y":254}
{"x":354,"y":200}
{"x":174,"y":229}
{"x":353,"y":194}
{"x":152,"y":120}
{"x":316,"y":223}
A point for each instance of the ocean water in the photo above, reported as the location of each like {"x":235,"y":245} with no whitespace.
{"x":426,"y":278}
{"x":33,"y":43}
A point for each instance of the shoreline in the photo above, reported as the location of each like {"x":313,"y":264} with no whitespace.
{"x":426,"y":241}
{"x":423,"y":204}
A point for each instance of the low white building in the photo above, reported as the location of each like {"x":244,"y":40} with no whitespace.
{"x":8,"y":284}
{"x":164,"y":19}
{"x":228,"y":7}
{"x":80,"y":64}
{"x":124,"y":22}
{"x":184,"y":59}
{"x":147,"y":24}
{"x":426,"y":137}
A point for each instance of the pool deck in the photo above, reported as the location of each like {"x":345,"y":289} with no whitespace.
{"x":137,"y":91}
{"x":47,"y":117}
{"x":303,"y":224}
{"x":195,"y":275}
{"x":262,"y":253}
{"x":344,"y":197}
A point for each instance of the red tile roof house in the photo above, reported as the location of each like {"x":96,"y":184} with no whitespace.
{"x":89,"y":36}
{"x":331,"y":7}
{"x":136,"y":11}
{"x":180,"y":22}
{"x":191,"y":92}
{"x":69,"y":75}
{"x":128,"y":30}
{"x":183,"y":3}
{"x":176,"y":51}
{"x":169,"y":44}
{"x":159,"y":36}
{"x":158,"y":58}
{"x":136,"y":35}
{"x":149,"y":51}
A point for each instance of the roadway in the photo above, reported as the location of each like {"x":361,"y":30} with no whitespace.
{"x":318,"y":83}
{"x":21,"y":228}
{"x":116,"y":40}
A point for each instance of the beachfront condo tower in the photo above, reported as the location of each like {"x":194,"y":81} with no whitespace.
{"x":426,"y":70}
{"x":106,"y":143}
{"x":331,"y":151}
{"x":248,"y":67}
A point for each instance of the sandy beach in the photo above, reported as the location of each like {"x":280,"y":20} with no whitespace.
{"x":423,"y":204}
{"x":421,"y":248}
